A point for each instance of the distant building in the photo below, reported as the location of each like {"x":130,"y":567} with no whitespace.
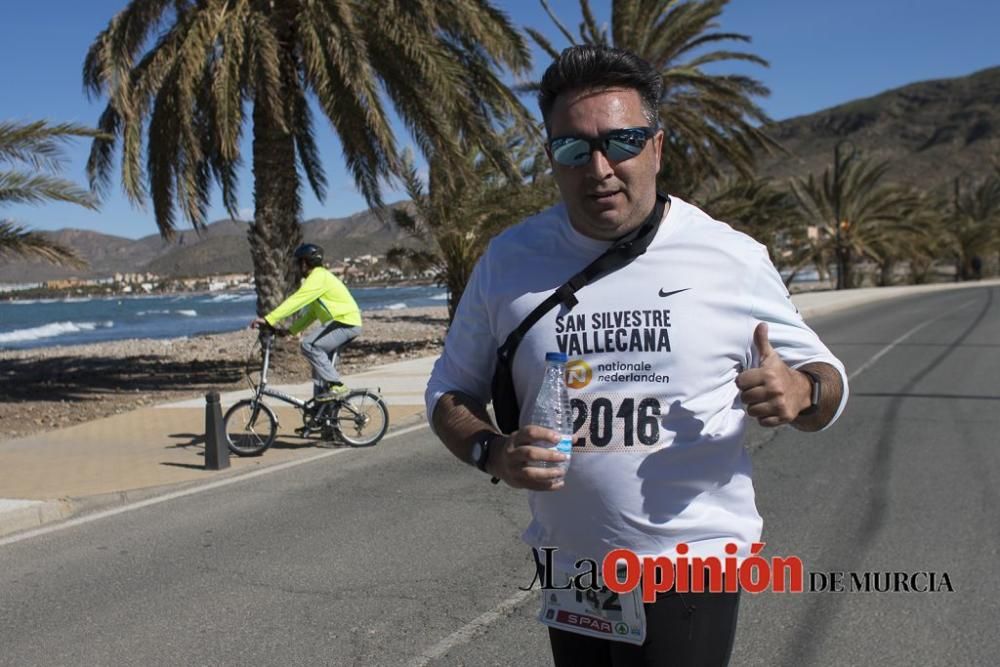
{"x":68,"y":283}
{"x":135,"y":278}
{"x":18,"y":287}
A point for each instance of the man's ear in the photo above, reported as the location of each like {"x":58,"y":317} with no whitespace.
{"x":658,"y":145}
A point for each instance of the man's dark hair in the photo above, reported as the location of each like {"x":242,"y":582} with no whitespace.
{"x":585,"y":67}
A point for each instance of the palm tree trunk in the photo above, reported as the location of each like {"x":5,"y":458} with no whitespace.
{"x":885,"y":274}
{"x":456,"y":281}
{"x":919,"y":270}
{"x":790,"y":277}
{"x":276,"y":231}
{"x":844,"y":273}
{"x":842,"y":269}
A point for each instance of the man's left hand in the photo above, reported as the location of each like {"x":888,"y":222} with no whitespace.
{"x":773,"y":393}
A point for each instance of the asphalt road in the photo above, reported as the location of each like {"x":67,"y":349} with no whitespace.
{"x":398,"y":555}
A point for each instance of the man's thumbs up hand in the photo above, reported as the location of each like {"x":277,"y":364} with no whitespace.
{"x":763,"y":345}
{"x":773,"y":393}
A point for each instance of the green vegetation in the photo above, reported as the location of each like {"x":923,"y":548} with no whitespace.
{"x":208,"y":61}
{"x":972,"y":223}
{"x":456,"y":218}
{"x":855,"y":213}
{"x":29,"y":150}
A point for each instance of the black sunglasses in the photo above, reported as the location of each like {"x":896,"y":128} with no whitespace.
{"x":617,"y":145}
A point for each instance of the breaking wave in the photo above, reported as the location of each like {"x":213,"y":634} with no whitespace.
{"x":51,"y":330}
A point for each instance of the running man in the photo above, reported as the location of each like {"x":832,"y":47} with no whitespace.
{"x":670,"y":356}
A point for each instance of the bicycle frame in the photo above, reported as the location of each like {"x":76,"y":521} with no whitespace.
{"x":342,"y":419}
{"x":267,"y":341}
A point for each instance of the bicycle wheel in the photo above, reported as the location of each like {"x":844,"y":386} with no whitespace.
{"x":361,"y":418}
{"x":250,"y":427}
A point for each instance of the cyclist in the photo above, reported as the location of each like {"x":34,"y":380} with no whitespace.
{"x":322,"y":296}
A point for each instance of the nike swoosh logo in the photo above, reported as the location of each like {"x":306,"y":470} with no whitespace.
{"x":676,"y":291}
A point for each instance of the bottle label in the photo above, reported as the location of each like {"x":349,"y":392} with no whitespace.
{"x":565,"y":446}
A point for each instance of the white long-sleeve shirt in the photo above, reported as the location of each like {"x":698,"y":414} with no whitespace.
{"x":654,"y":350}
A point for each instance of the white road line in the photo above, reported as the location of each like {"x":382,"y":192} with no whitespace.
{"x":465,"y":633}
{"x":885,"y":350}
{"x":189,"y":492}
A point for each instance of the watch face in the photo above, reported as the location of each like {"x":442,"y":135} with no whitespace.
{"x":477,"y":453}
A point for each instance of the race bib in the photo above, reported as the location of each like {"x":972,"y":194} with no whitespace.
{"x":597,"y":613}
{"x":605,"y":422}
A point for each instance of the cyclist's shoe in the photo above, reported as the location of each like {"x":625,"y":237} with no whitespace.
{"x":333,"y":391}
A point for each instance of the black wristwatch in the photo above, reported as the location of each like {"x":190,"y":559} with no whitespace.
{"x":481,"y":452}
{"x":817,"y":392}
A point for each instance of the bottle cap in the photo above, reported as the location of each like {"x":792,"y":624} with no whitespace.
{"x":556,"y":356}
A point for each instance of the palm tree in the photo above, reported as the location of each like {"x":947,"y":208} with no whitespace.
{"x":855,"y":213}
{"x":710,"y":120}
{"x":30,"y":150}
{"x":914,"y":245}
{"x":207,"y":61}
{"x":760,"y":208}
{"x":457,"y":218}
{"x":972,"y":225}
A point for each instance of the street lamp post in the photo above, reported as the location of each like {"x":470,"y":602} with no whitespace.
{"x":837,"y":192}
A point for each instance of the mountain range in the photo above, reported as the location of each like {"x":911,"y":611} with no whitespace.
{"x":221,"y":247}
{"x":930,"y":132}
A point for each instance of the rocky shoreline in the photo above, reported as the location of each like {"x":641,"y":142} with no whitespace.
{"x":52,"y":387}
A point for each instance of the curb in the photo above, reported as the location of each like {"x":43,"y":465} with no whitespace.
{"x":845,"y":299}
{"x":21,"y":516}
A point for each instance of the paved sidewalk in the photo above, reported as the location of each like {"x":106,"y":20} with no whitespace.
{"x":125,"y":458}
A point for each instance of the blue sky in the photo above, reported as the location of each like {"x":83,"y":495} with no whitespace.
{"x":821,"y":54}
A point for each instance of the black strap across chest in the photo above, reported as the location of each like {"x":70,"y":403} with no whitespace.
{"x":623,"y":251}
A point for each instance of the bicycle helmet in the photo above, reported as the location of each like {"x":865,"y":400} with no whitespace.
{"x":311,"y":253}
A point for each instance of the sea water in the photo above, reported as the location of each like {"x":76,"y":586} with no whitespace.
{"x":74,"y":321}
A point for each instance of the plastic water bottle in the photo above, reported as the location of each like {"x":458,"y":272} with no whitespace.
{"x":552,"y":409}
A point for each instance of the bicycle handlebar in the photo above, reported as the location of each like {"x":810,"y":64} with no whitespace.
{"x":266,"y":331}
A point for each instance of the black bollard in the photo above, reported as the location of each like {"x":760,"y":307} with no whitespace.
{"x":216,"y":449}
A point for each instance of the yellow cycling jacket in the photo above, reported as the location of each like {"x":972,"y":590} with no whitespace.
{"x":320,"y":297}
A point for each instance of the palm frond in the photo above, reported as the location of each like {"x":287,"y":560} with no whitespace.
{"x":545,"y":45}
{"x":856,"y":212}
{"x":559,"y":25}
{"x":39,"y":144}
{"x":16,"y":241}
{"x":20,"y":188}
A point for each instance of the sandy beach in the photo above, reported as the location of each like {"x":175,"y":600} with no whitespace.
{"x":53,"y":387}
